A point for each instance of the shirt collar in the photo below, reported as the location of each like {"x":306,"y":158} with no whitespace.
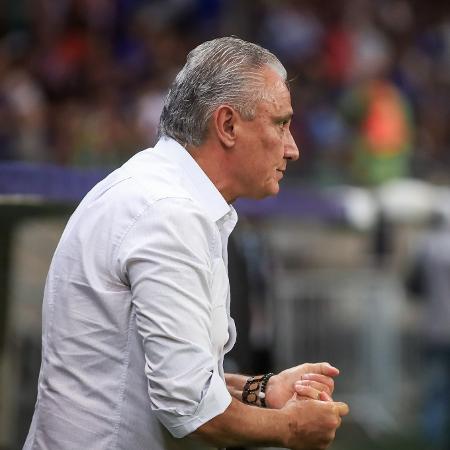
{"x":200,"y":186}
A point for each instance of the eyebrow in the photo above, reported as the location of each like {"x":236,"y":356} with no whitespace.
{"x":284,"y":117}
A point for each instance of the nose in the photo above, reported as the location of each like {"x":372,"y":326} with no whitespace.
{"x":291,"y":151}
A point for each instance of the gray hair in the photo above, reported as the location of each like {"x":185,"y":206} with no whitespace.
{"x":224,"y":71}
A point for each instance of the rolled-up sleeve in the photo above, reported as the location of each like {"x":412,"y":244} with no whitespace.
{"x":166,"y":259}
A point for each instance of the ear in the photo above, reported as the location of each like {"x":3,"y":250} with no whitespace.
{"x":224,"y":120}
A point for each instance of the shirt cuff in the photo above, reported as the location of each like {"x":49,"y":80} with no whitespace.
{"x":215,"y":402}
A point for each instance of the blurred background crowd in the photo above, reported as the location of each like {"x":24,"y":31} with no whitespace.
{"x":350,"y":263}
{"x":82,"y":82}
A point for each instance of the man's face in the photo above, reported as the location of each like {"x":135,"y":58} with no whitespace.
{"x":265,"y":143}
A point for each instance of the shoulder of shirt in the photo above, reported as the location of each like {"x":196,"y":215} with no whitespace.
{"x":159,"y":175}
{"x":154,"y":176}
{"x":147,"y":179}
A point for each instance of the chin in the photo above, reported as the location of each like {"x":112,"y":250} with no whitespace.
{"x":273,"y":190}
{"x":266,"y":191}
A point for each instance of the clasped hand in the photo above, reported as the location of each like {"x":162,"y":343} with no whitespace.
{"x":307,"y":381}
{"x":312,"y":422}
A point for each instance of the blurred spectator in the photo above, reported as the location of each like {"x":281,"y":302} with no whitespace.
{"x":149,"y":107}
{"x":22,"y":103}
{"x":430,"y":280}
{"x":382,"y":133}
{"x":301,"y":31}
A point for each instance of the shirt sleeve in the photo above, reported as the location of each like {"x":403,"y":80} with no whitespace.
{"x":166,"y":257}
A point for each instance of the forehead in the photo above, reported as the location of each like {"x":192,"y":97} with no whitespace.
{"x":277,"y":97}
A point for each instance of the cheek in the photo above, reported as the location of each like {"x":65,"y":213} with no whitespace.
{"x":273,"y":148}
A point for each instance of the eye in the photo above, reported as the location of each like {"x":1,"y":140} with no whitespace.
{"x":284,"y":124}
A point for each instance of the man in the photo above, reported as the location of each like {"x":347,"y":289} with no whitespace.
{"x":136,"y":308}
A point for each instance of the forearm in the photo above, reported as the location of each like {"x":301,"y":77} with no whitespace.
{"x":299,"y":425}
{"x":294,"y":417}
{"x":241,"y":424}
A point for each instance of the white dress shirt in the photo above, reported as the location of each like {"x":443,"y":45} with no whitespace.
{"x":136,"y":308}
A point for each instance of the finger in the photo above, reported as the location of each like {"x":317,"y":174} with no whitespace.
{"x":315,"y":385}
{"x":308,"y":392}
{"x":324,"y":368}
{"x":329,"y":370}
{"x":319,"y":378}
{"x":343,"y":408}
{"x":325,"y":397}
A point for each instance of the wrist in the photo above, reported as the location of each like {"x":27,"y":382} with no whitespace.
{"x":271,"y":388}
{"x":285,"y":426}
{"x":254,"y":391}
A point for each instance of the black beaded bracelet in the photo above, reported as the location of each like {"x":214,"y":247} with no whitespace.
{"x":254,"y":389}
{"x":262,"y":389}
{"x":251,"y":389}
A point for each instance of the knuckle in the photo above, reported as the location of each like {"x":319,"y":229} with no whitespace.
{"x":333,"y":421}
{"x":331,"y":424}
{"x":331,"y":436}
{"x":325,"y":444}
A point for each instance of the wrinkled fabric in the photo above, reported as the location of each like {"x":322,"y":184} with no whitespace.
{"x":136,"y":317}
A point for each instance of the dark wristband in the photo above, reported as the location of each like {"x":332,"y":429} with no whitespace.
{"x":262,"y":390}
{"x":254,"y":389}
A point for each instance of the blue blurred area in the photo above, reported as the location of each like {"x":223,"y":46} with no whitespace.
{"x":82,"y":83}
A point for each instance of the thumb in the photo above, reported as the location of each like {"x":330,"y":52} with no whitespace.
{"x":343,"y":408}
